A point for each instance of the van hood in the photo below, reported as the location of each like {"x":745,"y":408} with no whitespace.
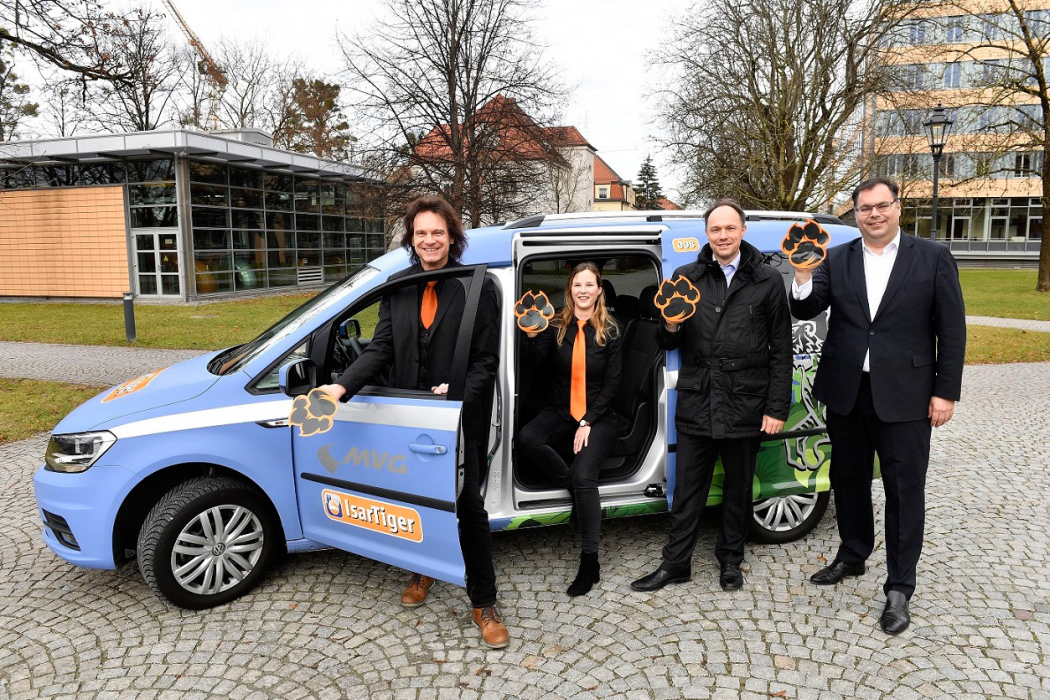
{"x":151,"y":393}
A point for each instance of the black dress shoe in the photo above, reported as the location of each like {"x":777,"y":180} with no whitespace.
{"x":658,"y":579}
{"x":830,"y":575}
{"x":731,"y":578}
{"x":895,"y":617}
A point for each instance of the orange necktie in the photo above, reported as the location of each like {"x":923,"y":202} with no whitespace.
{"x":430,"y":305}
{"x":578,"y":389}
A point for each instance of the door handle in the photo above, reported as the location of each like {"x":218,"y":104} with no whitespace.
{"x":427,"y":449}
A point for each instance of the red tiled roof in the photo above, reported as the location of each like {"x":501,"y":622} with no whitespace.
{"x":666,"y":203}
{"x":566,"y":136}
{"x":519,"y":135}
{"x":603,"y":174}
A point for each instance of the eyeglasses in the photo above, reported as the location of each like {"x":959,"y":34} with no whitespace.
{"x":883,"y":207}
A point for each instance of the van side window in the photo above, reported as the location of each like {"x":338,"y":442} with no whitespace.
{"x":268,"y":383}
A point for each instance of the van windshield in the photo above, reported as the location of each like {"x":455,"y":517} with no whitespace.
{"x":234,"y":358}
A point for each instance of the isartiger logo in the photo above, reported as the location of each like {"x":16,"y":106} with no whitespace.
{"x":387,"y":518}
{"x":131,"y":386}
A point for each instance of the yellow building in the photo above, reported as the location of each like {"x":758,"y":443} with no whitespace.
{"x":989,"y":191}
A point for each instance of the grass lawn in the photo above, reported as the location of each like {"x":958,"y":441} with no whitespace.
{"x":1004,"y":293}
{"x":988,"y":345}
{"x":204,"y":327}
{"x":30,"y":406}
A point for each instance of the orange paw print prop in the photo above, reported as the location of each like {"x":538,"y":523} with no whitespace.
{"x":677,"y":300}
{"x":533,"y":311}
{"x":806,"y":245}
{"x":313,"y":413}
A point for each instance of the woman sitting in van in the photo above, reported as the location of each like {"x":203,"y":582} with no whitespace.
{"x":583,"y":348}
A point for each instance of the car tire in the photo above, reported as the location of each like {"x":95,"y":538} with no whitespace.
{"x":207,"y":541}
{"x":783,"y":519}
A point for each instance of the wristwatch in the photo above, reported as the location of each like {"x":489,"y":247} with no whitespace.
{"x":583,"y":423}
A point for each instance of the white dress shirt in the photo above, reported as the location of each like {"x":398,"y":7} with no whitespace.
{"x":877,"y":268}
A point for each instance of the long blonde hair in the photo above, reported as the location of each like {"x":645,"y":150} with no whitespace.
{"x":604,"y":324}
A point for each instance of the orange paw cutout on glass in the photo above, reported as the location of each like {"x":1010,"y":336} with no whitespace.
{"x":806,"y":245}
{"x":313,"y":413}
{"x":677,"y":300}
{"x":533,"y":311}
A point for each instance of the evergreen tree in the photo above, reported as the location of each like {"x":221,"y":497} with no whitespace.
{"x":647,"y":194}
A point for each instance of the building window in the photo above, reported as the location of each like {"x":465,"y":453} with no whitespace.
{"x":952,"y":75}
{"x":603,"y":193}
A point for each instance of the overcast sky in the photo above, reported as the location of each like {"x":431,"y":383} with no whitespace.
{"x":604,"y":49}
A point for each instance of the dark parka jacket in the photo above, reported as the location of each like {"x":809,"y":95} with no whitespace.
{"x":736,"y":349}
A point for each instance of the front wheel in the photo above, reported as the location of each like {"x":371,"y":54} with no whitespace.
{"x":207,"y":542}
{"x":783,"y":519}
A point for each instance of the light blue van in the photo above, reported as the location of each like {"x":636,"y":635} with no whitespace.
{"x":196,"y":470}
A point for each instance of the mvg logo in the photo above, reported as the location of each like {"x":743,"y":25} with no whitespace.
{"x":375,"y":459}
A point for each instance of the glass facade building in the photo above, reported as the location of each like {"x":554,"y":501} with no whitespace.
{"x":216,"y":215}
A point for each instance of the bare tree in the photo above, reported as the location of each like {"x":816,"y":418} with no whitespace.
{"x":570,"y":181}
{"x":143,"y":101}
{"x":442,"y":86}
{"x":192,"y":94}
{"x":767,"y":104}
{"x":67,"y":34}
{"x":64,"y":110}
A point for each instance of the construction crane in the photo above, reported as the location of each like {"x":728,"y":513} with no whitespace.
{"x":214,"y":76}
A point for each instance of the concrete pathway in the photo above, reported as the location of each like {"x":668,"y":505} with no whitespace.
{"x":1021,"y":323}
{"x":84,"y":364}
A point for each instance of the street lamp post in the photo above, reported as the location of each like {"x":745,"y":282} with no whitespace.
{"x":937,"y":130}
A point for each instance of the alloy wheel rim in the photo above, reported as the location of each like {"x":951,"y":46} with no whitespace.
{"x":217,"y":549}
{"x":781,"y":513}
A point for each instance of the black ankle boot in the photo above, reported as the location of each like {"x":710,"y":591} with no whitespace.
{"x":587,"y":576}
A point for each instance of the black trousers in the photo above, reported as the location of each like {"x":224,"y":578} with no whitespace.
{"x":543,"y":441}
{"x":475,"y":536}
{"x":904,"y":455}
{"x":695,"y":465}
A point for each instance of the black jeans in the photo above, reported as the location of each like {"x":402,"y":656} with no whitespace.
{"x":694,"y":467}
{"x":542,"y":443}
{"x":904,"y":455}
{"x":475,"y":536}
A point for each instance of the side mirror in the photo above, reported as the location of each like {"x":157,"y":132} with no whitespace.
{"x":350,"y":328}
{"x":298,"y":377}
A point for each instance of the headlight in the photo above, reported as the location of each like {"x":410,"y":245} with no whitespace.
{"x":75,"y":452}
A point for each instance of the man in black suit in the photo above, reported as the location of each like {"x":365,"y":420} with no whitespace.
{"x":415,"y":341}
{"x":890,"y":370}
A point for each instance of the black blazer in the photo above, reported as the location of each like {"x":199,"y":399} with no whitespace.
{"x":604,"y":363}
{"x":917,"y":337}
{"x":395,"y":343}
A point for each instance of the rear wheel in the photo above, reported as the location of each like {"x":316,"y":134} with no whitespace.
{"x":783,"y":519}
{"x":207,"y":542}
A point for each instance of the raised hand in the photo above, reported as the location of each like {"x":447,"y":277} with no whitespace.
{"x":313,"y":413}
{"x":533,"y":311}
{"x":806,"y":245}
{"x":677,"y":299}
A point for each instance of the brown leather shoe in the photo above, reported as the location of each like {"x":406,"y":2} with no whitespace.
{"x":416,"y":592}
{"x":493,"y":632}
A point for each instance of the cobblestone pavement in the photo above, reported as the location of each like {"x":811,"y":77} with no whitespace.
{"x":328,"y":624}
{"x":84,"y":364}
{"x":1023,"y":324}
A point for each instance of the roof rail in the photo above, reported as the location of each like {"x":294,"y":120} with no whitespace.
{"x":661,"y":215}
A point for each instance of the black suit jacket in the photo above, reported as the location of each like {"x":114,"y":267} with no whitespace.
{"x":395,"y":343}
{"x":917,"y":337}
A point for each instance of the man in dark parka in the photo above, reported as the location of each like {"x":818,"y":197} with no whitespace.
{"x":734,"y":385}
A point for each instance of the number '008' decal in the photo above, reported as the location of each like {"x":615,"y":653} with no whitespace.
{"x":685,"y":245}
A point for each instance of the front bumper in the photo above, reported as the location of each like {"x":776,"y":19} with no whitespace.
{"x":79,"y":511}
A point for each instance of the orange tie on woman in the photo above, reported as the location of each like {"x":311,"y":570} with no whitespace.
{"x":578,"y":387}
{"x":430,"y":305}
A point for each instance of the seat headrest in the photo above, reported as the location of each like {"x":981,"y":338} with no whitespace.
{"x":610,"y":292}
{"x":626,"y":306}
{"x":647,"y":303}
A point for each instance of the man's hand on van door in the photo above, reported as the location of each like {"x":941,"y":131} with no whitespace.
{"x":771,"y":426}
{"x":440,"y":389}
{"x":336,"y":391}
{"x":941,"y":411}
